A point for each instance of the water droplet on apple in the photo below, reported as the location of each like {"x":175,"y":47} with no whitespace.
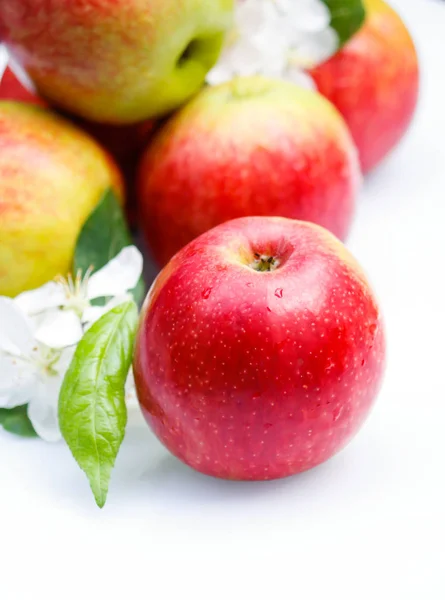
{"x":250,"y":284}
{"x":206,"y":293}
{"x":279,"y":292}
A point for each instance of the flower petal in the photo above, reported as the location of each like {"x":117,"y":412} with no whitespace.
{"x":4,"y":58}
{"x":94,"y":313}
{"x":117,"y":277}
{"x":16,"y":335}
{"x":309,"y":15}
{"x":220,"y":73}
{"x":59,"y":329}
{"x":300,"y":78}
{"x":43,"y":406}
{"x":50,"y":295}
{"x":43,"y":411}
{"x":17,"y":381}
{"x":313,"y":49}
{"x":251,"y":16}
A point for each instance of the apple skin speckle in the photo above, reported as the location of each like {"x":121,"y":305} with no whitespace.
{"x":246,"y":384}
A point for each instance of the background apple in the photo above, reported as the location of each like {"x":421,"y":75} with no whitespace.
{"x":116,"y":61}
{"x":125,"y":143}
{"x":11,"y":88}
{"x":260,"y":349}
{"x":253,"y":146}
{"x":374,"y":82}
{"x":51,"y":177}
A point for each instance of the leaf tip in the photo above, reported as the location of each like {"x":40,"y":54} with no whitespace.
{"x":100,"y":495}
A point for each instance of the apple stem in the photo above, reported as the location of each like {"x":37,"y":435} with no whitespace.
{"x":263,"y":262}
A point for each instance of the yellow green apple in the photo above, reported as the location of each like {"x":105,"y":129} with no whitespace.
{"x":52,"y":175}
{"x":116,"y":61}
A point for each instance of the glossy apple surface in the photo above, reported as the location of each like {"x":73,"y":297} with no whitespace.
{"x":253,"y":146}
{"x":52,"y":175}
{"x":116,"y":61}
{"x":374,"y":82}
{"x":252,"y":374}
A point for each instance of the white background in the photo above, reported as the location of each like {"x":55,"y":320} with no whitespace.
{"x":368,"y":524}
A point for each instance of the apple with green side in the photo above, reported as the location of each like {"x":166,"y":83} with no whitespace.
{"x":260,"y":349}
{"x":116,"y":61}
{"x":125,"y":143}
{"x":52,"y":175}
{"x":253,"y":146}
{"x":374,"y":82}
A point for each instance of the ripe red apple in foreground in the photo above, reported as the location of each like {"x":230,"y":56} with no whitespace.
{"x":374,"y":82}
{"x":253,"y":146}
{"x":260,"y":349}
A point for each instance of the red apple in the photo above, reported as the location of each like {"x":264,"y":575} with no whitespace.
{"x":11,"y":88}
{"x":260,"y":349}
{"x":253,"y":146}
{"x":374,"y":82}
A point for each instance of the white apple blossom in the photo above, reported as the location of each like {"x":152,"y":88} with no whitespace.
{"x":3,"y":60}
{"x":277,"y":38}
{"x":65,"y":305}
{"x":30,"y":372}
{"x":39,"y":331}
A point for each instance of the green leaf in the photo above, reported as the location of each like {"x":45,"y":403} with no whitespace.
{"x":347,"y":16}
{"x":103,"y":236}
{"x":92,"y":410}
{"x":16,"y":421}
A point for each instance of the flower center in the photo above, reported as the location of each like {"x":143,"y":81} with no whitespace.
{"x":76,"y":291}
{"x":41,"y":358}
{"x":45,"y":359}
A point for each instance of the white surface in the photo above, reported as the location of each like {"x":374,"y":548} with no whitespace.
{"x":368,"y":524}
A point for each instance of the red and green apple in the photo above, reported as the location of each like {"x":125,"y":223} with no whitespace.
{"x":52,"y":175}
{"x":116,"y":61}
{"x":374,"y":82}
{"x":253,"y":146}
